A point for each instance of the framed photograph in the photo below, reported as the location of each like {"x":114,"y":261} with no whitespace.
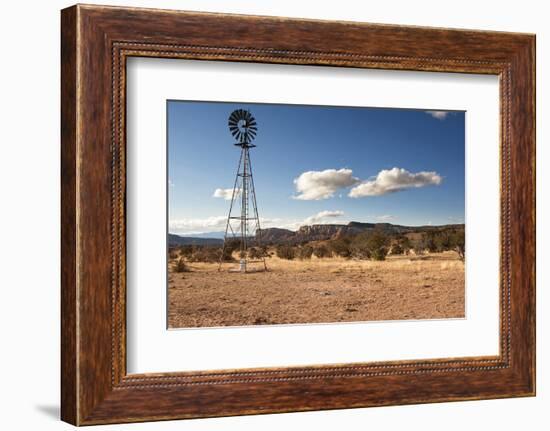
{"x":265,"y":215}
{"x":329,"y":248}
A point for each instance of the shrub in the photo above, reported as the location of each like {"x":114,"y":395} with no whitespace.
{"x":228,"y":248}
{"x":396,"y":248}
{"x":370,"y":245}
{"x":429,"y":239}
{"x":256,"y":253}
{"x":322,"y":251}
{"x":340,"y":247}
{"x":458,"y":242}
{"x":186,"y":250}
{"x":443,"y":241}
{"x":359,"y":248}
{"x":405,"y":243}
{"x":437,"y":241}
{"x":206,"y":254}
{"x":377,"y":245}
{"x":227,"y":254}
{"x":419,"y":247}
{"x":305,"y":252}
{"x":285,"y":252}
{"x":173,"y":254}
{"x":181,"y":266}
{"x":265,"y":251}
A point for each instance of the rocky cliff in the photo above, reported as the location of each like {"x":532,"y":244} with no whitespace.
{"x":321,"y":232}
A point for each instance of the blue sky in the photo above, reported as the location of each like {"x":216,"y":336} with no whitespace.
{"x":318,"y":164}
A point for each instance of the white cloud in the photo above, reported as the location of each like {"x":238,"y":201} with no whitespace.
{"x":385,"y":218}
{"x":226,"y":194}
{"x":394,"y":180}
{"x":317,"y":185}
{"x":189,"y":225}
{"x":171,"y":183}
{"x":322,"y":217}
{"x":440,"y":115}
{"x":456,"y":219}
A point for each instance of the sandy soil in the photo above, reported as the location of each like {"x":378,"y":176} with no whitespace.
{"x":318,"y":291}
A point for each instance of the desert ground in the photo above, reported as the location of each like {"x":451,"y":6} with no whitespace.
{"x":324,"y":290}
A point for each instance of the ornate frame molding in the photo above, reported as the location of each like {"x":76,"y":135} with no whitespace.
{"x":96,"y":41}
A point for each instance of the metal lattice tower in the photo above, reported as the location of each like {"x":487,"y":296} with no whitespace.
{"x":243,"y":228}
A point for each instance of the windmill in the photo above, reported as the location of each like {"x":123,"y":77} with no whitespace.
{"x":243,"y":127}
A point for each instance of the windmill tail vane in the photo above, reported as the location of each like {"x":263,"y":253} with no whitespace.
{"x":242,"y":231}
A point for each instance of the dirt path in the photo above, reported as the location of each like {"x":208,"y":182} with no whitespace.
{"x":318,"y":291}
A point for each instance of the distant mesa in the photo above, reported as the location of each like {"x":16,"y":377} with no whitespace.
{"x":322,"y":232}
{"x":316,"y":232}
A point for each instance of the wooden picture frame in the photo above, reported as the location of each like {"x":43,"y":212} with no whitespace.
{"x":95,"y":43}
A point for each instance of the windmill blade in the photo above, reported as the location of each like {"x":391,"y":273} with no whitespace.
{"x":242,"y":125}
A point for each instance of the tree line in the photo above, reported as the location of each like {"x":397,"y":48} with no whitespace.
{"x":378,"y":245}
{"x":372,"y":245}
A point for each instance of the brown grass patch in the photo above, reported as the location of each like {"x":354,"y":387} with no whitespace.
{"x":318,"y":291}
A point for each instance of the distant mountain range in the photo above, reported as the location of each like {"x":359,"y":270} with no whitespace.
{"x":317,"y":232}
{"x":218,"y":235}
{"x":193,"y":240}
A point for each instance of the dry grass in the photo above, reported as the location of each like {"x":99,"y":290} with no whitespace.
{"x":318,"y":291}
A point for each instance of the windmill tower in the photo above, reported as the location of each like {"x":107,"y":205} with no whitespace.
{"x":243,"y":224}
